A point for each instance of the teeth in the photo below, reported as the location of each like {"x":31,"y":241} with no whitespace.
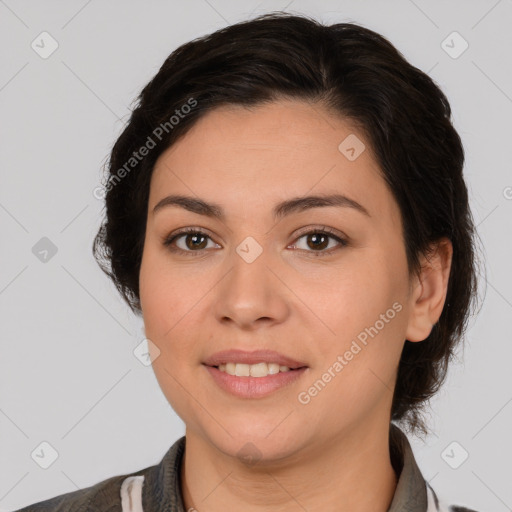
{"x":273,"y":368}
{"x":242,"y":370}
{"x":253,"y":370}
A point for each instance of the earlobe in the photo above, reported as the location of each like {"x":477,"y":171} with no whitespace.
{"x":429,"y":295}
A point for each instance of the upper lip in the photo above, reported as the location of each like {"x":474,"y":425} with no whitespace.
{"x":257,"y":356}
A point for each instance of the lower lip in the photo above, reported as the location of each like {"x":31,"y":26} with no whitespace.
{"x":254,"y":387}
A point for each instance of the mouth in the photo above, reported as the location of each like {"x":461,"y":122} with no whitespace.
{"x":254,"y":374}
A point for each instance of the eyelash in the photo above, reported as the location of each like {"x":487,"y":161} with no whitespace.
{"x":323,"y":231}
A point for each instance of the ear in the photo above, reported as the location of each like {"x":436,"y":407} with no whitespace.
{"x":429,"y":291}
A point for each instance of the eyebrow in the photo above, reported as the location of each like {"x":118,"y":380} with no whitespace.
{"x":282,"y":209}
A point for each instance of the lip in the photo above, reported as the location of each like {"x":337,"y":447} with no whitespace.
{"x":254,"y":387}
{"x":254,"y":357}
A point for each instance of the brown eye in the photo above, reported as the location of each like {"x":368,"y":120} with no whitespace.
{"x":194,"y":240}
{"x":317,"y":241}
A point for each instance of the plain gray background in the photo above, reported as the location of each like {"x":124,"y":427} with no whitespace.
{"x":68,"y":374}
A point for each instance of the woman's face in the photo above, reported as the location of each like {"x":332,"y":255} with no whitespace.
{"x":254,"y":279}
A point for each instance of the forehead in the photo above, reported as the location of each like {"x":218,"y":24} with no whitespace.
{"x":262,"y":155}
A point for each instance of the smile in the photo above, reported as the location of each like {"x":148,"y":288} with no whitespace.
{"x":252,"y":370}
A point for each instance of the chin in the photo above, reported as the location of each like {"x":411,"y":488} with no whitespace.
{"x":268,"y":441}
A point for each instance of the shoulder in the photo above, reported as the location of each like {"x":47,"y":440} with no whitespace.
{"x":152,"y":487}
{"x":104,"y":496}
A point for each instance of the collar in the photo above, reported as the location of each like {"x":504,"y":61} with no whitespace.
{"x":162,"y":485}
{"x":411,"y":490}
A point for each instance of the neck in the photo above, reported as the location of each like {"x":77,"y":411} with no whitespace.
{"x":351,"y":472}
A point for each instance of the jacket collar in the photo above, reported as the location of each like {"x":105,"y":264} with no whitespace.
{"x":411,"y":491}
{"x":162,"y":485}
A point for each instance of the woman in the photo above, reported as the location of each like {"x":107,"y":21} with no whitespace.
{"x":286,"y":209}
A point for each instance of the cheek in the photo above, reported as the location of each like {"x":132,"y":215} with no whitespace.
{"x":364,"y":310}
{"x":161,"y":291}
{"x":171,"y":304}
{"x":349,"y":299}
{"x":357,"y":369}
{"x":169,"y":317}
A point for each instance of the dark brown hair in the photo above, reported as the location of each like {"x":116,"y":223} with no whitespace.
{"x":355,"y":73}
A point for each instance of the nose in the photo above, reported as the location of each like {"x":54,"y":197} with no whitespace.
{"x":252,"y":293}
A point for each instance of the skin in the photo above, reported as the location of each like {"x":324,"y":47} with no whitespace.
{"x":309,"y":308}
